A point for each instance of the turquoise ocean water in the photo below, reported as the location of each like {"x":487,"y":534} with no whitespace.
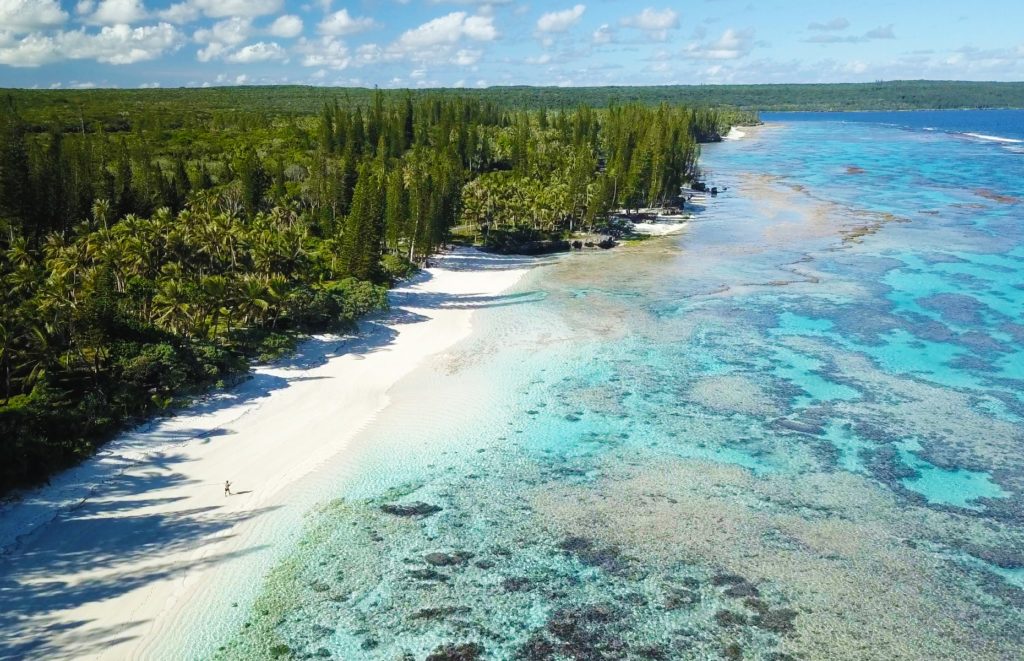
{"x":794,"y":431}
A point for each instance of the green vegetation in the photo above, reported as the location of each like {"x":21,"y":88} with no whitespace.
{"x":149,"y":251}
{"x":120,"y":110}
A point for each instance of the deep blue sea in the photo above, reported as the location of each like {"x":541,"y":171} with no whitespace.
{"x":795,"y":431}
{"x":1002,"y":126}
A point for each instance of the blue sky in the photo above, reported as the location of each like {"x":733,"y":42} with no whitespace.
{"x":429,"y":43}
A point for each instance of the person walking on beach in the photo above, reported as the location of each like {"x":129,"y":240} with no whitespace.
{"x":227,"y":488}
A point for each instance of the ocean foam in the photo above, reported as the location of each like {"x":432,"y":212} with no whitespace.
{"x":994,"y":138}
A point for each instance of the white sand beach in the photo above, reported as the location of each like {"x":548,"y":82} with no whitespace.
{"x":102,"y":562}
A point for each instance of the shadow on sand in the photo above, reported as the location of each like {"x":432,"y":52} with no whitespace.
{"x":81,"y":540}
{"x":75,"y":561}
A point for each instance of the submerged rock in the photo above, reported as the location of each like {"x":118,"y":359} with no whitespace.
{"x":319,"y":631}
{"x":726,"y":618}
{"x":457,"y":652}
{"x":680,"y":598}
{"x":742,"y":589}
{"x":778,"y":621}
{"x":727,"y":579}
{"x":419,"y":509}
{"x":427,"y":575}
{"x":516,"y":584}
{"x":439,"y":559}
{"x":608,"y":558}
{"x":802,"y":427}
{"x":586,"y":632}
{"x":438,"y":613}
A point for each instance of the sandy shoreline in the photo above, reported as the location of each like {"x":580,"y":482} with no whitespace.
{"x":102,"y":563}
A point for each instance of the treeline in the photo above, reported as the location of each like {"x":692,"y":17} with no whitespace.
{"x":116,"y":109}
{"x":143,"y":259}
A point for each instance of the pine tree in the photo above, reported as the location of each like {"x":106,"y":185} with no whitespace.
{"x":279,"y":191}
{"x":408,"y":123}
{"x":182,"y":183}
{"x":327,"y":134}
{"x":15,"y":177}
{"x":357,"y":134}
{"x":396,"y":215}
{"x":253,"y":180}
{"x":361,"y":240}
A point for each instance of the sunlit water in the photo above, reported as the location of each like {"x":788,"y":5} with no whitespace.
{"x":794,"y":431}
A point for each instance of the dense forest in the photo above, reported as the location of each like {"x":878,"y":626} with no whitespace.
{"x":150,"y":252}
{"x":70,"y":108}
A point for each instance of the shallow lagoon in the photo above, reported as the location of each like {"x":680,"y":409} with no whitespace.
{"x":794,"y":431}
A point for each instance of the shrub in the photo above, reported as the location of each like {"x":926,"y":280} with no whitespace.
{"x":396,"y":267}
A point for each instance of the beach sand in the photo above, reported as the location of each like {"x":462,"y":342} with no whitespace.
{"x":104,"y":561}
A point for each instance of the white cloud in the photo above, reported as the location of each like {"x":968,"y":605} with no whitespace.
{"x":31,"y":51}
{"x":467,"y":57}
{"x":733,"y":44}
{"x":238,"y":8}
{"x":117,"y":44}
{"x":114,"y":12}
{"x":26,"y":15}
{"x":286,"y":26}
{"x":122,"y":44}
{"x":448,"y":29}
{"x":830,"y":26}
{"x":655,"y":22}
{"x":368,"y":54}
{"x":149,"y":86}
{"x":341,"y":23}
{"x":560,"y":21}
{"x":221,"y":36}
{"x":480,"y":28}
{"x":181,"y":12}
{"x":229,"y":31}
{"x":84,"y":7}
{"x":259,"y":52}
{"x":604,"y":34}
{"x":328,"y":52}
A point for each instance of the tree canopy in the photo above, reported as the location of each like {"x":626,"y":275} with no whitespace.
{"x":146,"y":254}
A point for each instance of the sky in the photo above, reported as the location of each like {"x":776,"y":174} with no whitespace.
{"x":464,"y":43}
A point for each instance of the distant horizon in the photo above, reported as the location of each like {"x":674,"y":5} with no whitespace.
{"x":515,"y":86}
